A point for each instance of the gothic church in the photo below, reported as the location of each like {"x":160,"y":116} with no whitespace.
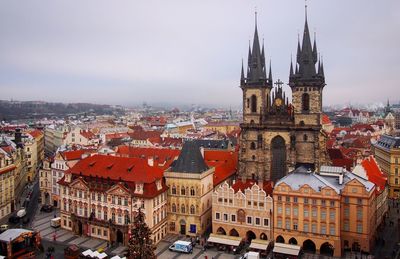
{"x":278,"y":135}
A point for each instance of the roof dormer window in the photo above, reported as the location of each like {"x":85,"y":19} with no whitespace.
{"x":139,"y":188}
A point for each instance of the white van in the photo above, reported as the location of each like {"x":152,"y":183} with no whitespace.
{"x":56,"y":222}
{"x":181,"y":246}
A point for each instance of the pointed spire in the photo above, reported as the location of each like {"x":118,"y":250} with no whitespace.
{"x":242,"y":74}
{"x":270,"y":73}
{"x":322,"y":67}
{"x":249,"y":55}
{"x":291,"y":66}
{"x":315,"y":52}
{"x":298,"y":57}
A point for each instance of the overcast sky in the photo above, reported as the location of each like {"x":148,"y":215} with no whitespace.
{"x":183,"y":52}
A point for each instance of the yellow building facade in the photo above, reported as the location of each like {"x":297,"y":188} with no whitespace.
{"x":387,"y":154}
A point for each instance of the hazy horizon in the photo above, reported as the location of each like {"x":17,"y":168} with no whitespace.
{"x":186,"y":53}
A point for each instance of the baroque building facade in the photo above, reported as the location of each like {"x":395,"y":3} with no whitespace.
{"x":276,"y":135}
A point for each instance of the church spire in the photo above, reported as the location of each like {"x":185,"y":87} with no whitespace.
{"x":256,"y":71}
{"x":291,"y":66}
{"x":314,"y":50}
{"x":270,"y":73}
{"x":242,"y":80}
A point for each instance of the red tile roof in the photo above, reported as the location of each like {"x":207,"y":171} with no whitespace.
{"x":224,"y":161}
{"x":144,"y":135}
{"x":7,"y":169}
{"x":159,"y":155}
{"x":88,"y":134}
{"x":239,"y":185}
{"x":325,"y":119}
{"x":129,"y":171}
{"x":36,"y":133}
{"x":117,"y":135}
{"x":374,"y":173}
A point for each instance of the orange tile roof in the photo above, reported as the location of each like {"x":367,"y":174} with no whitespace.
{"x":88,"y":134}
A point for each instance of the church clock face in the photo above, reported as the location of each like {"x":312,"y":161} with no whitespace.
{"x":278,"y":102}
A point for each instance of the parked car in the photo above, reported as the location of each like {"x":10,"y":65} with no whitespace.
{"x":13,"y":219}
{"x":46,"y":208}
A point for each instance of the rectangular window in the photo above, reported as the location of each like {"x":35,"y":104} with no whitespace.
{"x":314,"y":213}
{"x":359,"y":214}
{"x":323,"y":229}
{"x":99,"y":231}
{"x":332,"y":203}
{"x":105,"y":233}
{"x":295,"y":212}
{"x":305,"y":200}
{"x":287,"y":224}
{"x":258,"y":221}
{"x":306,"y":213}
{"x":359,"y":201}
{"x":217,"y":216}
{"x":266,"y":222}
{"x":314,"y":228}
{"x":279,"y":210}
{"x":233,"y":218}
{"x":279,"y":225}
{"x":359,"y":228}
{"x":332,"y":230}
{"x":305,"y":227}
{"x":93,"y":230}
{"x":346,"y":226}
{"x":287,"y":199}
{"x":323,"y":214}
{"x":279,"y":198}
{"x":249,"y":219}
{"x":314,"y":202}
{"x":346,"y":200}
{"x":287,"y":211}
{"x":295,"y":199}
{"x":225,"y":217}
{"x":323,"y":203}
{"x":332,"y":215}
{"x":346,"y":212}
{"x":295,"y":226}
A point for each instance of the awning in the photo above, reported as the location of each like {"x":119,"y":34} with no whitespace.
{"x":224,"y":240}
{"x":87,"y":252}
{"x":286,"y":249}
{"x":259,"y":244}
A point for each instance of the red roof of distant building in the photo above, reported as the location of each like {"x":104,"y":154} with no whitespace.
{"x":36,"y":133}
{"x":88,"y":134}
{"x":117,"y":135}
{"x":144,"y":135}
{"x":239,"y":185}
{"x":335,"y":153}
{"x":343,"y":162}
{"x":325,"y":119}
{"x":363,"y":127}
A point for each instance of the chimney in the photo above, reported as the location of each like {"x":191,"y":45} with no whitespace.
{"x":341,"y":178}
{"x":202,"y":151}
{"x":243,"y":178}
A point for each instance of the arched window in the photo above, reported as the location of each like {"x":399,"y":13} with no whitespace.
{"x":173,"y":208}
{"x":183,"y":191}
{"x":173,"y":190}
{"x":252,"y":145}
{"x":248,"y":103}
{"x":182,"y":208}
{"x":306,"y":102}
{"x":192,"y":210}
{"x":192,"y":192}
{"x":305,"y":137}
{"x":253,"y":103}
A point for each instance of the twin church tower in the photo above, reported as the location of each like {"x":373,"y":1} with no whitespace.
{"x":278,"y":135}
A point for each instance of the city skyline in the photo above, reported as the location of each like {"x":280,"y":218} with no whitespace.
{"x":132,"y":53}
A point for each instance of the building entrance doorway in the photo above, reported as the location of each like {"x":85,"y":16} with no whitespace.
{"x":120,"y":237}
{"x":183,"y":227}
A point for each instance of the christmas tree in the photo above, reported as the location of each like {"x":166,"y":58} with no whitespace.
{"x":140,"y":244}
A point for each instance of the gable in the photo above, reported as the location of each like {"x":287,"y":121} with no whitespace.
{"x":118,"y":190}
{"x":79,"y":184}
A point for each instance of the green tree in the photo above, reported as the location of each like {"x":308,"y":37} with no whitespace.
{"x":140,"y":244}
